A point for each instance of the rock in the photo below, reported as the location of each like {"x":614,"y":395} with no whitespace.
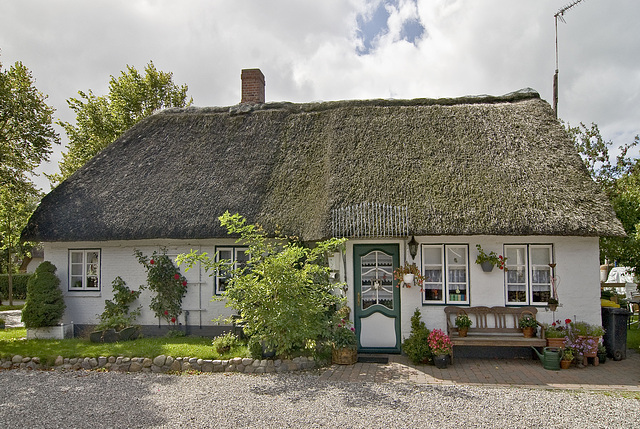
{"x":236,"y":361}
{"x":156,"y":369}
{"x":146,"y":363}
{"x":176,"y":366}
{"x":118,"y":360}
{"x":186,"y":366}
{"x":111,"y":359}
{"x":93,"y":362}
{"x":135,"y":367}
{"x":59,"y":361}
{"x":16,"y":359}
{"x":85,"y":364}
{"x":102,"y":361}
{"x":73,"y":361}
{"x":26,"y":359}
{"x":169,"y":361}
{"x":159,"y":360}
{"x":247,"y":361}
{"x":36,"y":360}
{"x":126,"y":360}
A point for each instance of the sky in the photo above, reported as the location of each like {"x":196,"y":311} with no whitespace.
{"x":337,"y":50}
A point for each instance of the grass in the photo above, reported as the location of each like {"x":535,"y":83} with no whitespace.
{"x":11,"y":307}
{"x":13,"y":342}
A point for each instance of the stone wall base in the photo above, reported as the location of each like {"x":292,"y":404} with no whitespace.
{"x":164,"y":364}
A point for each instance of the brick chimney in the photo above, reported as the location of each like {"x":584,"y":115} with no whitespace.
{"x":252,"y":86}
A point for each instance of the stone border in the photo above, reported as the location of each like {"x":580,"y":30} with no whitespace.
{"x":164,"y":364}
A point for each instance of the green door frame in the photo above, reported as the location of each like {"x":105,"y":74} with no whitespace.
{"x":360,"y":250}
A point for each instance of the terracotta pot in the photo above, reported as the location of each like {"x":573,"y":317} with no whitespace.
{"x":565,"y":364}
{"x":528,"y":332}
{"x":555,"y":342}
{"x":462,"y":332}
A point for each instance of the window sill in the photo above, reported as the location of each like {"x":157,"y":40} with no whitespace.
{"x":83,"y":293}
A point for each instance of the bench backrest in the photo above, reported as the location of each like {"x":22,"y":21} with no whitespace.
{"x":503,"y":320}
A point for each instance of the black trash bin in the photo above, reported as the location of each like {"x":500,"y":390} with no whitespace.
{"x":614,"y":321}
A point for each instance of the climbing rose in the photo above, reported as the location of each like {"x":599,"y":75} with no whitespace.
{"x":152,"y":262}
{"x":184,"y":283}
{"x":166,"y":312}
{"x":567,"y":321}
{"x":353,"y":329}
{"x":553,"y":324}
{"x":173,"y":320}
{"x":176,"y":276}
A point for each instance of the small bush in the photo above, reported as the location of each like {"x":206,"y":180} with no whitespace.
{"x":416,"y":347}
{"x":45,"y":304}
{"x":116,"y":314}
{"x":224,"y":343}
{"x":19,"y":285}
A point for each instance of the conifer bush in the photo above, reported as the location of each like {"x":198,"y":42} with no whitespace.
{"x":44,"y":305}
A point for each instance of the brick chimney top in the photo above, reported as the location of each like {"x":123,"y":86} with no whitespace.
{"x":252,"y":86}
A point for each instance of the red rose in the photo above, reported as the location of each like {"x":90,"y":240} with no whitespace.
{"x":173,"y":320}
{"x":166,"y":312}
{"x":152,"y":262}
{"x":567,"y":321}
{"x":553,"y":324}
{"x":176,"y":276}
{"x":132,"y":292}
{"x":184,"y":283}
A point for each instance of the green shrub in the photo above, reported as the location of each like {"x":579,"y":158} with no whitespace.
{"x":416,"y":347}
{"x":224,"y":343}
{"x":116,"y":314}
{"x":19,"y":285}
{"x":44,"y":305}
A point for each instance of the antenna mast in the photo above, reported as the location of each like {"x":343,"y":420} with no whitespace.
{"x":559,"y":15}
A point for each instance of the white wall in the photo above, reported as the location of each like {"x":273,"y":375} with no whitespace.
{"x":577,"y":260}
{"x":117,"y":259}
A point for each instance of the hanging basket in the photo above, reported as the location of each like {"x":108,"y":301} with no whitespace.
{"x":487,"y":266}
{"x":408,"y":279}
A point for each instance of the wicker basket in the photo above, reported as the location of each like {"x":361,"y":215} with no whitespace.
{"x":344,"y":356}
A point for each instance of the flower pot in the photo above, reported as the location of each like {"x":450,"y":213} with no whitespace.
{"x":553,"y":307}
{"x":602,"y":357}
{"x":487,"y":266}
{"x":565,"y":364}
{"x":441,"y":361}
{"x":129,"y":333}
{"x":528,"y":332}
{"x":462,"y":332}
{"x":408,"y":279}
{"x":344,"y":356}
{"x":555,"y":342}
{"x":593,"y":350}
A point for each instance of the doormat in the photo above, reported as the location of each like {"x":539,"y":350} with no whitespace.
{"x":373,"y":359}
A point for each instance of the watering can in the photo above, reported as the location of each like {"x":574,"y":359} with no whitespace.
{"x":550,"y":357}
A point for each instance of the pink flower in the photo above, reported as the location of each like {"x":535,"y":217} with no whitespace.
{"x":353,"y":329}
{"x":176,"y":276}
{"x":339,"y":326}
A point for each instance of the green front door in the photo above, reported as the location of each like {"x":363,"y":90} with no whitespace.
{"x":377,"y":299}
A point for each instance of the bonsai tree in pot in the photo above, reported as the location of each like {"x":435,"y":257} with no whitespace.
{"x":44,"y":305}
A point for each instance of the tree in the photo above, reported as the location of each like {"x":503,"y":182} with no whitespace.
{"x":621,"y":183}
{"x":45,"y":304}
{"x":26,"y":137}
{"x":283,"y":296}
{"x":102,"y":119}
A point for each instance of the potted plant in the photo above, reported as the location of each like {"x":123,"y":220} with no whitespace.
{"x":488,"y":261}
{"x":585,"y":339}
{"x":528,"y":324}
{"x":553,"y":304}
{"x":556,"y":333}
{"x":416,"y":347}
{"x":602,"y":353}
{"x":344,"y":343}
{"x":463,"y":322}
{"x":441,"y":347}
{"x":567,"y":358}
{"x":44,"y":306}
{"x":116,"y":321}
{"x":408,"y":275}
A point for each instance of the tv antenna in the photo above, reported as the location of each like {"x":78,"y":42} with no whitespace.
{"x":559,"y":15}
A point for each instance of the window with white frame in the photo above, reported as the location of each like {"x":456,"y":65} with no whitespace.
{"x":237,"y":257}
{"x":445,"y":269}
{"x":528,"y":274}
{"x":84,"y":270}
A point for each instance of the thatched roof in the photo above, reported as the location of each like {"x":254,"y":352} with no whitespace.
{"x":474,"y":165}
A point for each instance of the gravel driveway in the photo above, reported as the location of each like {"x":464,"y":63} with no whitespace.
{"x":56,"y":399}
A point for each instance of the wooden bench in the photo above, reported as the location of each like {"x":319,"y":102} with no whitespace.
{"x":493,"y":327}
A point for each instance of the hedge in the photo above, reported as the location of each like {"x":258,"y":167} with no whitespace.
{"x":19,"y":285}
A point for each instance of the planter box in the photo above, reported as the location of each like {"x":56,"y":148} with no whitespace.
{"x":58,"y":332}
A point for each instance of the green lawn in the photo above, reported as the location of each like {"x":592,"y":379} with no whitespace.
{"x":11,"y":307}
{"x":13,"y":342}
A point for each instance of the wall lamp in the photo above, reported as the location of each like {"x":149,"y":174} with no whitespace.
{"x":413,"y":247}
